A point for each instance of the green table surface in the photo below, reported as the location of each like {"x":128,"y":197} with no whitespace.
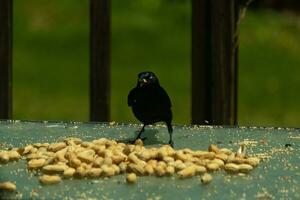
{"x":276,"y":177}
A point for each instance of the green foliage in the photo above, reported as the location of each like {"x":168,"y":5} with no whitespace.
{"x":269,"y":69}
{"x":51,"y":60}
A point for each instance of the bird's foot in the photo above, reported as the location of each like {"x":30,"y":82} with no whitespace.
{"x":171,"y":143}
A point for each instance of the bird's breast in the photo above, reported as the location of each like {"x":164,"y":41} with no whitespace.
{"x":149,"y":105}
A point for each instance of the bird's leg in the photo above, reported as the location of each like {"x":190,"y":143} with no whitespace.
{"x":170,"y":130}
{"x":140,"y":133}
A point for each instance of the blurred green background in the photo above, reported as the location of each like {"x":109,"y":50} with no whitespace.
{"x":51,"y":60}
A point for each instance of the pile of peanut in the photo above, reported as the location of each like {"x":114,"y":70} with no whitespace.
{"x":106,"y":158}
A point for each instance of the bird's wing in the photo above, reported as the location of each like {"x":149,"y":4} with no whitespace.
{"x":165,"y":99}
{"x":131,"y":97}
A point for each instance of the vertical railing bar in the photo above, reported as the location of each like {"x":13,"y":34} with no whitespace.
{"x":236,"y":56}
{"x":100,"y":60}
{"x":201,"y":72}
{"x":214,"y":62}
{"x":5,"y":59}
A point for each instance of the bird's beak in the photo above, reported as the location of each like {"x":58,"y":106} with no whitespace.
{"x":143,"y":82}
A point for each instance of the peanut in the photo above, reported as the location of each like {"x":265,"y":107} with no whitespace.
{"x":144,"y":155}
{"x":252,"y":161}
{"x":107,"y":153}
{"x":187,"y":172}
{"x":107,"y":161}
{"x":183,"y":157}
{"x":168,"y":159}
{"x":204,"y":154}
{"x":128,"y":149}
{"x":98,"y":162}
{"x":179,"y":166}
{"x":116,"y":168}
{"x":117,"y":159}
{"x":200,"y":169}
{"x":226,"y":151}
{"x":149,"y":169}
{"x":94,"y":172}
{"x":107,"y":171}
{"x":36,"y":163}
{"x":212,"y":166}
{"x":72,"y":141}
{"x":4,"y":157}
{"x":47,"y":179}
{"x":139,"y":142}
{"x":56,"y":168}
{"x":123,"y":167}
{"x":75,"y":162}
{"x":170,"y":170}
{"x":81,"y":171}
{"x":101,"y":141}
{"x":206,"y":178}
{"x":27,"y":149}
{"x":162,"y":152}
{"x":245,"y":168}
{"x":14,"y":155}
{"x":69,"y":172}
{"x":60,"y":155}
{"x":238,"y":160}
{"x":213,"y":148}
{"x":153,"y":163}
{"x":162,"y":163}
{"x":36,"y":155}
{"x":8,"y":186}
{"x":56,"y":146}
{"x":86,"y":156}
{"x":138,"y":169}
{"x":222,"y":156}
{"x":231,"y":167}
{"x":133,"y":158}
{"x":160,"y":170}
{"x":219,"y":162}
{"x":86,"y":144}
{"x":131,"y":178}
{"x":106,"y":158}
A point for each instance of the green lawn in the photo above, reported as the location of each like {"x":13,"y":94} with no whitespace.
{"x":50,"y":65}
{"x":269,"y":70}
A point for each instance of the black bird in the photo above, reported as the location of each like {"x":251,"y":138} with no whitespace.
{"x":150,"y":103}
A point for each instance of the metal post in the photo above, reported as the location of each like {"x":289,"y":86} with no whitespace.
{"x":5,"y":59}
{"x":99,"y":60}
{"x":214,"y":62}
{"x":201,"y":62}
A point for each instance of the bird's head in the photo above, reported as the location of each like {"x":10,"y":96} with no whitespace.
{"x":147,"y":79}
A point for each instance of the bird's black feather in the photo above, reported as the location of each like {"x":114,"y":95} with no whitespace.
{"x":150,"y":102}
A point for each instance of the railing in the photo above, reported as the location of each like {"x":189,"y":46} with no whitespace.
{"x":5,"y":59}
{"x":214,"y":60}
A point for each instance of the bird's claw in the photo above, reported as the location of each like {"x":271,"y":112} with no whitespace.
{"x":171,"y":143}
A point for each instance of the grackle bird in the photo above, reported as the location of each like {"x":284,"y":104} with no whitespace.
{"x":150,"y":103}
